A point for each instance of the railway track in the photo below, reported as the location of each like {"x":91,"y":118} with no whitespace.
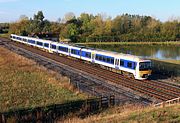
{"x":156,"y":89}
{"x":91,"y":87}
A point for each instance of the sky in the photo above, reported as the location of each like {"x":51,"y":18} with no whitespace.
{"x":163,"y":10}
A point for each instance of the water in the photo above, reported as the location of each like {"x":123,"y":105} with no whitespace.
{"x":162,"y":52}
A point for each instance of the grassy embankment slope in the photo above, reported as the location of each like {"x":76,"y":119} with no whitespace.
{"x":6,"y":35}
{"x":133,"y":114}
{"x":24,"y":84}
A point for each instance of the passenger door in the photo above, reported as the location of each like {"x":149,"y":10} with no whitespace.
{"x":69,"y":50}
{"x":117,"y":63}
{"x":93,"y":57}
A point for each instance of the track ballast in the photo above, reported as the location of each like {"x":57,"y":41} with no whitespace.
{"x":155,"y":89}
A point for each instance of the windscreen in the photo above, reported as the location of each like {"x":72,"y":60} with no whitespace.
{"x":145,"y":66}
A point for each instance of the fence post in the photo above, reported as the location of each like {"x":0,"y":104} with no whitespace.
{"x":163,"y":104}
{"x":112,"y":100}
{"x":99,"y":103}
{"x":39,"y":115}
{"x":77,"y":85}
{"x":2,"y":118}
{"x":93,"y":91}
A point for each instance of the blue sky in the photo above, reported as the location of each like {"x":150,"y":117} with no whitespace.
{"x":10,"y":10}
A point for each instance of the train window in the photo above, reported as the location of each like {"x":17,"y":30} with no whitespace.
{"x":74,"y":51}
{"x":108,"y":60}
{"x":88,"y":55}
{"x":39,"y":43}
{"x":112,"y":61}
{"x":53,"y":46}
{"x":46,"y":45}
{"x":129,"y":64}
{"x":31,"y":41}
{"x":24,"y":40}
{"x":121,"y":62}
{"x":134,"y":65}
{"x":97,"y":57}
{"x":100,"y":58}
{"x":103,"y":59}
{"x":64,"y":49}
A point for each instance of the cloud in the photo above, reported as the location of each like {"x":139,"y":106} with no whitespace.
{"x":6,"y":1}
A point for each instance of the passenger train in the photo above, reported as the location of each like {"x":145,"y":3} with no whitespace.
{"x":121,"y":63}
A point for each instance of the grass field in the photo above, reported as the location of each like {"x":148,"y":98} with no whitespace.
{"x":133,"y":114}
{"x":167,"y":61}
{"x":6,"y":35}
{"x":24,"y":84}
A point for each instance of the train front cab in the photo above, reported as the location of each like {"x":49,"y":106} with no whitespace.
{"x":143,"y":70}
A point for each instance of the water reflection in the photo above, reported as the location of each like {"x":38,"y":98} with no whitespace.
{"x":162,"y":52}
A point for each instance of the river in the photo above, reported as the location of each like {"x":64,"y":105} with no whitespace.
{"x":162,"y":52}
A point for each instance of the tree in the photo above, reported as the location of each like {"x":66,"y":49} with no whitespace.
{"x":20,"y":27}
{"x":69,"y":16}
{"x":87,"y":26}
{"x":39,"y":17}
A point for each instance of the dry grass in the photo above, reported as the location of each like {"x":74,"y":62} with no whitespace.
{"x":24,"y":84}
{"x":133,"y":114}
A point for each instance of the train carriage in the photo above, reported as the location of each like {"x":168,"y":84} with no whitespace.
{"x":46,"y":45}
{"x":131,"y":64}
{"x":31,"y":41}
{"x":86,"y":54}
{"x":75,"y":51}
{"x":63,"y":49}
{"x":104,"y":58}
{"x":21,"y":39}
{"x":54,"y":47}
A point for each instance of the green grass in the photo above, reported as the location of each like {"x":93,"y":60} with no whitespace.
{"x":167,"y":61}
{"x":23,"y":84}
{"x":5,"y":35}
{"x":132,"y":43}
{"x":134,"y":114}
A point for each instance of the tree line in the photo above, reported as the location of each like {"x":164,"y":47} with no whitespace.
{"x":4,"y":27}
{"x":100,"y":28}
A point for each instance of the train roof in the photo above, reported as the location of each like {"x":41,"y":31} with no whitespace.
{"x":120,"y":55}
{"x":100,"y":51}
